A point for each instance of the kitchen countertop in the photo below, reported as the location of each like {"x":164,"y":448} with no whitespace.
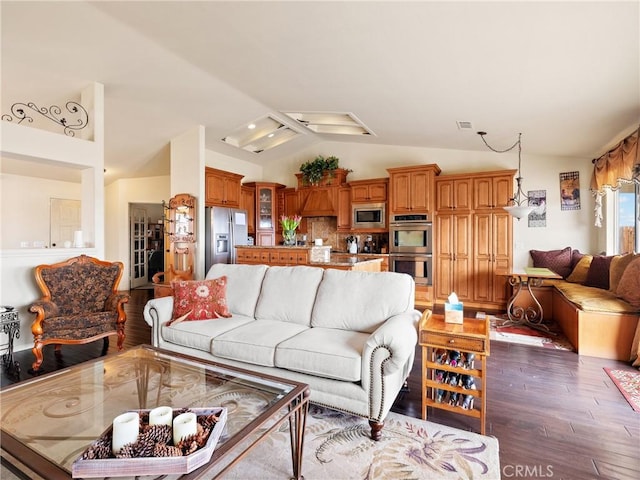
{"x":345,"y":261}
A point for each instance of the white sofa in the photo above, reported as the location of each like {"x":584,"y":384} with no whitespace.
{"x":351,"y":336}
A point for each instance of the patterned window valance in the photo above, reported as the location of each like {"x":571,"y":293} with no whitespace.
{"x":614,"y":168}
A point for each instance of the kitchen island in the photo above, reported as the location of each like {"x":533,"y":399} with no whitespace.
{"x":313,"y":256}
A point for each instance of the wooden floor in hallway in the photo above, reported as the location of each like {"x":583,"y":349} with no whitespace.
{"x":556,"y":414}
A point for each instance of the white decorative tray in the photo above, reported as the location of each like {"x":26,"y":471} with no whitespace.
{"x":125,"y":467}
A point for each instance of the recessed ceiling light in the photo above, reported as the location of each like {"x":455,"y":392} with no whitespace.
{"x":261,"y":135}
{"x":338,"y":123}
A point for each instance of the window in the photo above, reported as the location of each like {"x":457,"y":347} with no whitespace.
{"x":627,"y":218}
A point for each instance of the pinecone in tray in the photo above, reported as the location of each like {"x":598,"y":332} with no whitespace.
{"x":154,"y":441}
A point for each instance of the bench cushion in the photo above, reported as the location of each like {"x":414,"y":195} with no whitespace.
{"x":593,"y":299}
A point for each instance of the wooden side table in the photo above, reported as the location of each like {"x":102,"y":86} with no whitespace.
{"x":454,"y":366}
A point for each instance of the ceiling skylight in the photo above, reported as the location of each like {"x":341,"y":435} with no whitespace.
{"x":336,"y":123}
{"x":260,"y":135}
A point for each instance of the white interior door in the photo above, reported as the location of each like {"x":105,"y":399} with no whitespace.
{"x":65,"y":219}
{"x":139,"y":223}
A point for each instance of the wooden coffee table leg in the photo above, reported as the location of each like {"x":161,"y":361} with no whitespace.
{"x":297,"y":423}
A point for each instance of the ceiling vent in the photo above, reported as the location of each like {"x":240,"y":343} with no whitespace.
{"x":335,"y":123}
{"x":464,"y":125}
{"x":263,"y":134}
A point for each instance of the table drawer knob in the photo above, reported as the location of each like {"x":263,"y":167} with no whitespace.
{"x":452,"y":341}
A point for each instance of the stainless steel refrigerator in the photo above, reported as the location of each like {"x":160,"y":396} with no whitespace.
{"x":224,"y":228}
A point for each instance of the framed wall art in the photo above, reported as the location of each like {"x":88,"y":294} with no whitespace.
{"x":570,"y":191}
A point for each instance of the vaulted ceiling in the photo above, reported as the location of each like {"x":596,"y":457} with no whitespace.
{"x":565,"y":74}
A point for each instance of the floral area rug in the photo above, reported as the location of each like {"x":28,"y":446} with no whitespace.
{"x":628,"y":382}
{"x":337,"y":446}
{"x":524,"y":335}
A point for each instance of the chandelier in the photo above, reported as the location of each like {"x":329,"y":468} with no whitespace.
{"x":518,"y":204}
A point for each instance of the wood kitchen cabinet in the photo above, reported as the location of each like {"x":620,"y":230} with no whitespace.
{"x":411,"y":189}
{"x":492,"y":190}
{"x":248,"y":203}
{"x":473,"y":243}
{"x":492,"y":237}
{"x":222,"y":189}
{"x":343,"y":220}
{"x":265,"y":211}
{"x":453,"y":193}
{"x":453,"y":257}
{"x":369,"y":191}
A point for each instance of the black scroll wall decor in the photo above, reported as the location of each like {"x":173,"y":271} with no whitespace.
{"x":75,"y":117}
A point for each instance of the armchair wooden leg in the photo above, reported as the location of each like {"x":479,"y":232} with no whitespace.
{"x":37,"y":352}
{"x":121,"y":338}
{"x":376,"y":430}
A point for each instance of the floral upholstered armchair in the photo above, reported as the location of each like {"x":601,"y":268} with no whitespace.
{"x":80,"y":304}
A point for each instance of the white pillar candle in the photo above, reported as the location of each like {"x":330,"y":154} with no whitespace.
{"x":161,"y":416}
{"x":125,"y":430}
{"x":184,"y":425}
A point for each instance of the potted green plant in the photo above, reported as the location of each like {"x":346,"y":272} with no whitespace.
{"x":313,"y":170}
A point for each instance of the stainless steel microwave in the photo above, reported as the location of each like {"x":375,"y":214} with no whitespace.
{"x":369,"y":215}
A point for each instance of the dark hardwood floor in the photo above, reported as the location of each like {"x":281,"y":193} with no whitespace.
{"x":556,"y":414}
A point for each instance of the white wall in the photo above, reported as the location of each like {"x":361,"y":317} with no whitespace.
{"x":251,"y":171}
{"x":119,"y":195}
{"x":16,"y":226}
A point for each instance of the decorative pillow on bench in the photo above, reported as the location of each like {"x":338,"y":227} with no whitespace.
{"x":557,"y":260}
{"x":629,"y":286}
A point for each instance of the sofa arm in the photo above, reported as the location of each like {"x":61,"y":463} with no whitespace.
{"x":158,"y":311}
{"x":399,"y":336}
{"x":387,"y":360}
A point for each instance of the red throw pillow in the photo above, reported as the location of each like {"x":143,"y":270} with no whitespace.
{"x":557,"y":260}
{"x":199,"y":299}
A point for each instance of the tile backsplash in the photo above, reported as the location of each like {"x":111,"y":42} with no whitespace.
{"x":326,"y":229}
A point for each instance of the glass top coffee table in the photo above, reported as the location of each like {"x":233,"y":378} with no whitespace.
{"x":47,"y":422}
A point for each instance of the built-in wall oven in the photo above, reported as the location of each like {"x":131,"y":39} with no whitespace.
{"x":411,"y":246}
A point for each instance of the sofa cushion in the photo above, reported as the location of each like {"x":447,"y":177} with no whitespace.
{"x":199,"y":299}
{"x":581,"y":269}
{"x":244,"y":283}
{"x":255,"y":342}
{"x":361,"y":301}
{"x":598,"y":275}
{"x":198,"y":335}
{"x":617,"y":268}
{"x":288,"y":294}
{"x":325,"y":352}
{"x":557,"y":260}
{"x":629,"y":286}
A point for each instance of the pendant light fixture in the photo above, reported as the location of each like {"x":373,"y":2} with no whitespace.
{"x":518,"y":204}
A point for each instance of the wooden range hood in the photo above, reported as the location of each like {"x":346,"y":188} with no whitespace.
{"x":321,"y":200}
